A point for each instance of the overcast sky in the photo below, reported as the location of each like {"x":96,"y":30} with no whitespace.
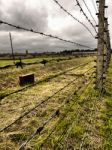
{"x":46,"y":16}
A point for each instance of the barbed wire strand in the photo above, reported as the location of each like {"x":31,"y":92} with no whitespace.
{"x":61,"y":119}
{"x":78,"y":20}
{"x":48,"y":78}
{"x":89,"y":11}
{"x":81,"y":9}
{"x":40,"y":129}
{"x":38,"y":104}
{"x":43,"y":34}
{"x":42,"y":102}
{"x":65,"y":131}
{"x":73,"y":17}
{"x":35,"y":133}
{"x":91,"y":23}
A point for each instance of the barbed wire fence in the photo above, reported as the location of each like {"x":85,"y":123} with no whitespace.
{"x":41,"y":128}
{"x":56,"y":113}
{"x":44,"y":101}
{"x":100,"y":36}
{"x":103,"y":47}
{"x":102,"y":63}
{"x":74,"y":18}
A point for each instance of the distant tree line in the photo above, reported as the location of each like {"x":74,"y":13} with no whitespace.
{"x":78,"y":51}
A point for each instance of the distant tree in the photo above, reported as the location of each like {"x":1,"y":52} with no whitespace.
{"x":26,"y":52}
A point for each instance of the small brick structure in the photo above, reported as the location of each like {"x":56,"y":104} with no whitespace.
{"x":26,"y":79}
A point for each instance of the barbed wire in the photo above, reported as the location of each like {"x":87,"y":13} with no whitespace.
{"x":78,"y":4}
{"x":65,"y":115}
{"x":46,"y":79}
{"x":43,"y":34}
{"x":91,"y":23}
{"x":59,"y":121}
{"x":57,"y":113}
{"x":73,"y":17}
{"x":42,"y":102}
{"x":78,"y":20}
{"x":65,"y":131}
{"x":40,"y":129}
{"x":36,"y":106}
{"x":89,"y":11}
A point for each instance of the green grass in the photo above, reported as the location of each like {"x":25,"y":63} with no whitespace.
{"x":107,"y":112}
{"x":8,"y":61}
{"x":5,"y":62}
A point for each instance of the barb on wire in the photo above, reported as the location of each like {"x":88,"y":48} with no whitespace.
{"x":89,"y":11}
{"x":43,"y":34}
{"x":78,"y":4}
{"x":73,"y":17}
{"x":40,"y":129}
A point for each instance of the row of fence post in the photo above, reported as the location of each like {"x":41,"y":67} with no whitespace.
{"x":103,"y":46}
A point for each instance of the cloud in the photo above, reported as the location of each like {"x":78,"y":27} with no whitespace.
{"x":20,"y":14}
{"x":45,"y":16}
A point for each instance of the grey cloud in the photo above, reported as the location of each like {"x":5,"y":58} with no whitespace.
{"x":33,"y":44}
{"x":19,"y":14}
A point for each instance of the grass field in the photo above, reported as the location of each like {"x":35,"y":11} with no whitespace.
{"x":60,"y":111}
{"x":26,"y":60}
{"x":7,"y":61}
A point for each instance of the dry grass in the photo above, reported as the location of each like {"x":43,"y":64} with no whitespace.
{"x":9,"y":77}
